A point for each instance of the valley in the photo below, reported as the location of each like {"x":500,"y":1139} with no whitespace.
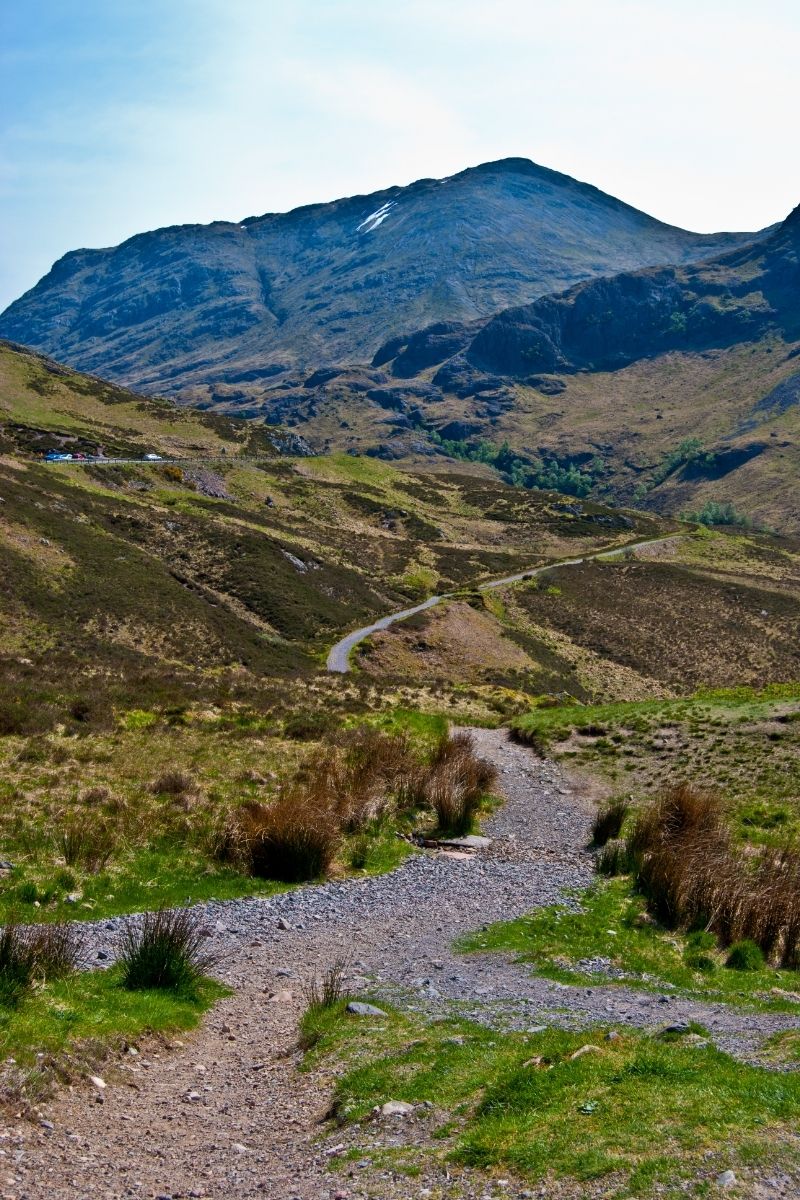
{"x":399,"y":698}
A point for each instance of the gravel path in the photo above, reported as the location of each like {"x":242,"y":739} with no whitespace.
{"x":225,"y":1113}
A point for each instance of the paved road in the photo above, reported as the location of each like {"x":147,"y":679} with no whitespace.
{"x":339,"y":656}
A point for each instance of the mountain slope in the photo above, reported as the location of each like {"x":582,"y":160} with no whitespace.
{"x":675,"y":387}
{"x":234,"y":562}
{"x":236,"y":304}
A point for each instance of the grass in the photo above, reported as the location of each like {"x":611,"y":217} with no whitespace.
{"x":166,"y":950}
{"x":683,"y":861}
{"x":743,"y":741}
{"x":70,"y":1024}
{"x":641,"y":1113}
{"x":610,"y":923}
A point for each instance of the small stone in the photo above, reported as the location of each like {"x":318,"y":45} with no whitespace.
{"x":97,"y":1082}
{"x":73,"y":897}
{"x":238,"y":1148}
{"x":589,"y":1048}
{"x":193,"y":1096}
{"x":726,"y":1180}
{"x":283,"y":923}
{"x":396,"y":1108}
{"x":47,"y":1124}
{"x":101,"y":956}
{"x":358,"y":1008}
{"x":280,"y":998}
{"x":612,"y":1036}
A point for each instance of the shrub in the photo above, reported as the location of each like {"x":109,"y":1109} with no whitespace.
{"x":44,"y":952}
{"x":57,"y":949}
{"x":609,"y":821}
{"x":307,"y":726}
{"x":291,"y":840}
{"x":328,"y":990}
{"x":16,"y":965}
{"x":697,"y":954}
{"x":455,"y":782}
{"x":165,"y":951}
{"x":692,"y":876}
{"x":87,"y":846}
{"x":745,"y":956}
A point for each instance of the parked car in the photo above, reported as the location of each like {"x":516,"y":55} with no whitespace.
{"x":153,"y":458}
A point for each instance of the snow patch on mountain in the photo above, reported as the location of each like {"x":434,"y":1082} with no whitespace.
{"x":377,"y":218}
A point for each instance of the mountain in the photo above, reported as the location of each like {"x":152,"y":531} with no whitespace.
{"x":228,"y":307}
{"x":672,"y":387}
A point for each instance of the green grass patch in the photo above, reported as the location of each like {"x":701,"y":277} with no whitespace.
{"x":742,"y":741}
{"x":611,"y":926}
{"x":91,"y":1011}
{"x":152,"y":878}
{"x":640,"y":1112}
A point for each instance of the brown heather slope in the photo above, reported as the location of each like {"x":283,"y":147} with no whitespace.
{"x":229,"y":567}
{"x":705,"y":610}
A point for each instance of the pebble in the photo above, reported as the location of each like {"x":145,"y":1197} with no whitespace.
{"x":726,"y":1180}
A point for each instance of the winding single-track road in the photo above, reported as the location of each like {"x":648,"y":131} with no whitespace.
{"x":339,"y":656}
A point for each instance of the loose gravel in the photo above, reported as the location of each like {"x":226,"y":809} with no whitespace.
{"x":226,"y":1113}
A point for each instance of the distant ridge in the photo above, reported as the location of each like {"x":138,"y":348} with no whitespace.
{"x":237,"y":304}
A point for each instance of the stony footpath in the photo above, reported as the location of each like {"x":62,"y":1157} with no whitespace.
{"x":225,"y":1112}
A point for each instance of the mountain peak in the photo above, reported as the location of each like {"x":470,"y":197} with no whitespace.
{"x":234,"y":303}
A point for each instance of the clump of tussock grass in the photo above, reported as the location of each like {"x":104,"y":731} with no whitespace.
{"x":327,"y":990}
{"x":341,"y":788}
{"x":165,"y":950}
{"x":685,"y":863}
{"x":454,"y":783}
{"x":609,"y":821}
{"x":173,"y":782}
{"x":40,"y":952}
{"x":294,"y":839}
{"x":84,"y":845}
{"x":613,"y":858}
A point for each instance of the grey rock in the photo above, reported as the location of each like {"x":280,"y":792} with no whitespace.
{"x":726,"y":1179}
{"x":396,"y":1108}
{"x":358,"y":1008}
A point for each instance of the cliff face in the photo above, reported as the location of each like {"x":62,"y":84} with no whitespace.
{"x":239,"y":303}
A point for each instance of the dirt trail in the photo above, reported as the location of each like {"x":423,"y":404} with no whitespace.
{"x":227,"y":1113}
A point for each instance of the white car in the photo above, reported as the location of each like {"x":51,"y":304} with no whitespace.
{"x":153,"y":458}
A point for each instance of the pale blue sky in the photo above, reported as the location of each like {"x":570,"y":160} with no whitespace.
{"x":123,"y":115}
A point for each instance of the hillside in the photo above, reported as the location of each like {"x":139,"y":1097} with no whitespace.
{"x":234,"y":563}
{"x":672,"y":388}
{"x":225,"y":308}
